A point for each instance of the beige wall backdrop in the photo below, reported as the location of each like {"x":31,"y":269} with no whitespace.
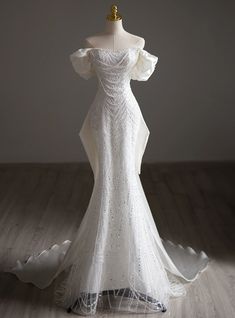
{"x":188,"y":103}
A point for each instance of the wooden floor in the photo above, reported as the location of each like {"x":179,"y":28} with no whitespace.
{"x":192,"y":204}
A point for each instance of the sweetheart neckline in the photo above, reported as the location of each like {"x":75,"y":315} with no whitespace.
{"x":113,"y":51}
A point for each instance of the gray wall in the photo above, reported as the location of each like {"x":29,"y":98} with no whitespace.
{"x":188,"y":103}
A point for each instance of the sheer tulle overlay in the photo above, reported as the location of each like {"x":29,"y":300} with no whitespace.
{"x":117,"y":259}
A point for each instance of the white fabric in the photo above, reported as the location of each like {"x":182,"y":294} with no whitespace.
{"x":117,"y":246}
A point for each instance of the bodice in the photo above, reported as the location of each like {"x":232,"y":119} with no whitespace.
{"x":114,"y":109}
{"x":113,"y":70}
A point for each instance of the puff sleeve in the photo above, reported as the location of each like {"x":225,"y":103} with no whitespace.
{"x":81,"y":63}
{"x":144,"y":66}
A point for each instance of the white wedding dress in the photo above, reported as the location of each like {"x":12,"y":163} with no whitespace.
{"x":117,"y":259}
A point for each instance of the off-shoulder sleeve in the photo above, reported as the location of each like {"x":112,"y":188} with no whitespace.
{"x":144,"y":66}
{"x":81,"y":63}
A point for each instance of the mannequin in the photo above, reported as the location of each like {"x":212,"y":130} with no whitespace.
{"x":117,"y":251}
{"x":114,"y":37}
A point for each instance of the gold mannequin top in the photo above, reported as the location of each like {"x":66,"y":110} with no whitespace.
{"x":114,"y":16}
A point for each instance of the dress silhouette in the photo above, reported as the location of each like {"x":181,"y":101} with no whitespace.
{"x":117,"y":260}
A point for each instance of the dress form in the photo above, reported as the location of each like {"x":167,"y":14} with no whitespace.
{"x":114,"y":37}
{"x":116,"y":258}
